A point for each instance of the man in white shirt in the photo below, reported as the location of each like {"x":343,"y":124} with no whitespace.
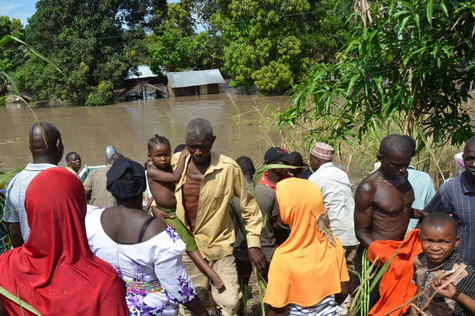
{"x":46,"y":149}
{"x":337,"y":195}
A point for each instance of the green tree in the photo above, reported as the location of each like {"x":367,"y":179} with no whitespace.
{"x":10,"y":55}
{"x":171,"y":50}
{"x":175,"y":46}
{"x":409,"y":70}
{"x":91,"y":41}
{"x":272,"y":43}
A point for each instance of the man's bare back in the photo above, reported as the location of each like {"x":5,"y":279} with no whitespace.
{"x":382,"y":210}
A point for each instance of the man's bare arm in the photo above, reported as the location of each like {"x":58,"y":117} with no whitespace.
{"x":258,"y":259}
{"x":15,"y":234}
{"x":363,"y":215}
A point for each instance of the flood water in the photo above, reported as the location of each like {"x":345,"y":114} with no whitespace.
{"x":238,"y":125}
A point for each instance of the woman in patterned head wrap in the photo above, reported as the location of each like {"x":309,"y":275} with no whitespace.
{"x":308,"y":272}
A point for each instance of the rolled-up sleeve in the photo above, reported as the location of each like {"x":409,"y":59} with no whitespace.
{"x":250,"y":211}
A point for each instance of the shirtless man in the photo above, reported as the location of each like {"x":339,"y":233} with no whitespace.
{"x":203,"y":194}
{"x":383,"y":199}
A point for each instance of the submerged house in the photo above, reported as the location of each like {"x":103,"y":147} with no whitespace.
{"x":194,"y":82}
{"x":143,"y":83}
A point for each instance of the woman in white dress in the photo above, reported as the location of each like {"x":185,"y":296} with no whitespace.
{"x":143,"y":249}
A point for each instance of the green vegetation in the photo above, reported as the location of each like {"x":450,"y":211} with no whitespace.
{"x":10,"y":56}
{"x":411,"y":70}
{"x":272,"y":44}
{"x":263,"y":43}
{"x":175,"y":46}
{"x":92,"y":42}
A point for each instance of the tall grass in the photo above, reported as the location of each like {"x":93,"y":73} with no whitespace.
{"x":356,"y":157}
{"x":17,"y":300}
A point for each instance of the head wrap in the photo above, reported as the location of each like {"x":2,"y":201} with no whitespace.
{"x":55,"y":271}
{"x":129,"y":186}
{"x":276,"y":153}
{"x":322,"y":151}
{"x":310,"y":264}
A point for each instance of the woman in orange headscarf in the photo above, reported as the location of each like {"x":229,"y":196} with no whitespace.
{"x":55,"y":271}
{"x":308,"y":272}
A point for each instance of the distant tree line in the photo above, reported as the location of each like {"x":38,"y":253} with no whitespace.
{"x":266,"y":43}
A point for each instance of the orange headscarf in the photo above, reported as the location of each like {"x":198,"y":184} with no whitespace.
{"x":310,"y":264}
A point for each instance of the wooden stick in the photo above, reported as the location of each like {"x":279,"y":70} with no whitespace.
{"x":452,"y":276}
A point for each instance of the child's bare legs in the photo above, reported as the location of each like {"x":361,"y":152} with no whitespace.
{"x":206,"y":269}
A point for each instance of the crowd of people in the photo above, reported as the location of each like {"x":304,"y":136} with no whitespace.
{"x":96,"y":248}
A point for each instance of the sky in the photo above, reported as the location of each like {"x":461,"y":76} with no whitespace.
{"x":20,"y":9}
{"x":23,"y":9}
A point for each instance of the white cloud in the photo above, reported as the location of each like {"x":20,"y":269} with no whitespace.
{"x":19,"y":9}
{"x":7,"y":6}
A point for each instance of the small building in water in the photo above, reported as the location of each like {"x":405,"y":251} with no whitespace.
{"x":142,"y":84}
{"x":194,"y":82}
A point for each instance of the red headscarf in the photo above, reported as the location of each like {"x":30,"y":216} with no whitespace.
{"x":55,"y":271}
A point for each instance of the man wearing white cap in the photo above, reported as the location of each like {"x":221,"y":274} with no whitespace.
{"x":337,"y":195}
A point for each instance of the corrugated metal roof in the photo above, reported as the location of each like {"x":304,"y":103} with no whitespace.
{"x":143,"y":71}
{"x":194,"y":78}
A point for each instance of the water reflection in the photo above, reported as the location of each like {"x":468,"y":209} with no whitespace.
{"x":128,"y":126}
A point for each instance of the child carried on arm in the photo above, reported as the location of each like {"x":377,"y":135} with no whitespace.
{"x":162,"y":180}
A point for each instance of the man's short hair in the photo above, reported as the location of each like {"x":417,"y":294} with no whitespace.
{"x":70,"y":154}
{"x":246,"y":164}
{"x":296,"y":159}
{"x":470,"y":141}
{"x":438,"y":219}
{"x":395,"y":143}
{"x":199,"y":128}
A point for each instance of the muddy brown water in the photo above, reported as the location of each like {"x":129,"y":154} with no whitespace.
{"x":129,"y":125}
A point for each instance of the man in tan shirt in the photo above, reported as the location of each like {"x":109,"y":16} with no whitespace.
{"x":95,"y":185}
{"x":208,"y":184}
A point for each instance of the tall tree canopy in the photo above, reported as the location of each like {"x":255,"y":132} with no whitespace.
{"x":94,"y":42}
{"x":175,"y":45}
{"x":272,"y":43}
{"x":413,"y":67}
{"x":10,"y":56}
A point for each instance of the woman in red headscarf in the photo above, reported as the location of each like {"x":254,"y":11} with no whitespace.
{"x":55,"y":271}
{"x":308,"y":273}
